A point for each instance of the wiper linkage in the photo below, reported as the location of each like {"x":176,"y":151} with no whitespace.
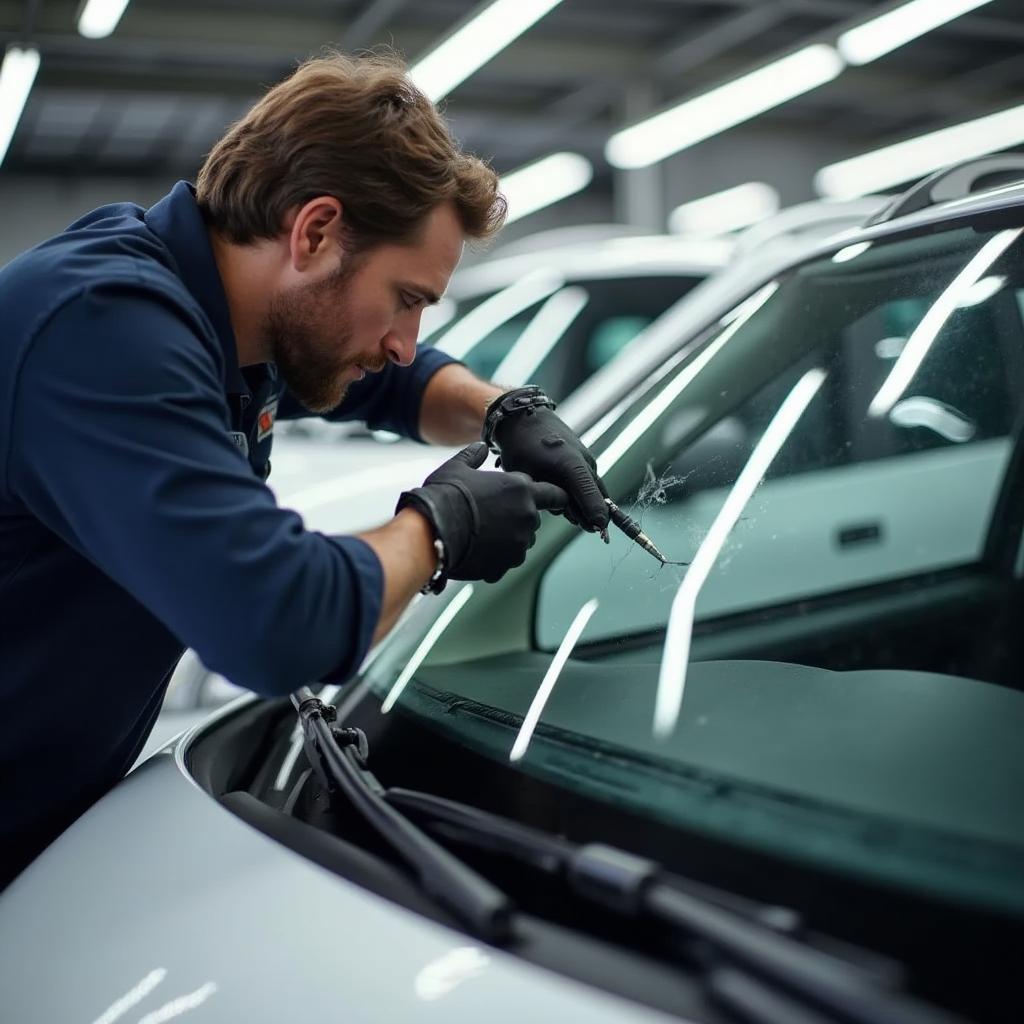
{"x":746,"y":952}
{"x":339,"y":758}
{"x":750,"y":966}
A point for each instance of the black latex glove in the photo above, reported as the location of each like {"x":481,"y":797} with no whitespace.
{"x":487,"y":521}
{"x":537,"y":442}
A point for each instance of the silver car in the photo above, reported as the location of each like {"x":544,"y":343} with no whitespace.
{"x":779,"y":782}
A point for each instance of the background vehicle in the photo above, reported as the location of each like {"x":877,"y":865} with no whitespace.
{"x":552,"y":311}
{"x":846,"y":743}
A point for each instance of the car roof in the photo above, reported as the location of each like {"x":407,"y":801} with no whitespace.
{"x":606,"y":251}
{"x":1002,"y":197}
{"x":627,"y":256}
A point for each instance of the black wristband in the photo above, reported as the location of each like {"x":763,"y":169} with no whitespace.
{"x":515,"y":401}
{"x":422,"y":504}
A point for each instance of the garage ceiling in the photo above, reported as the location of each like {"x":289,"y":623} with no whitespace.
{"x":150,"y":99}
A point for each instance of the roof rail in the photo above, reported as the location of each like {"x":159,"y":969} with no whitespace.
{"x":954,"y":182}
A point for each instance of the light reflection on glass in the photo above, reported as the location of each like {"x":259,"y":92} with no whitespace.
{"x":676,"y":653}
{"x":938,"y":417}
{"x":493,"y":312}
{"x":982,"y":291}
{"x":133,"y":997}
{"x":539,"y":338}
{"x":640,"y":423}
{"x":891,"y":347}
{"x":919,"y":343}
{"x":441,"y":623}
{"x":565,"y":648}
{"x":181,"y":1005}
{"x":436,"y":317}
{"x":850,"y":252}
{"x":447,"y":972}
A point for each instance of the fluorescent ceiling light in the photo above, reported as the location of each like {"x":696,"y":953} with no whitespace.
{"x":713,"y":112}
{"x":470,"y":47}
{"x":906,"y":161}
{"x":100,"y":17}
{"x":869,"y":41}
{"x":545,"y":182}
{"x":16,"y":77}
{"x":734,"y":208}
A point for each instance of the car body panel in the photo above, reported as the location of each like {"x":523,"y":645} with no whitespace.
{"x":247,"y":929}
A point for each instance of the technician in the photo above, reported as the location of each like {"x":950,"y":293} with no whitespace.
{"x":144,"y":358}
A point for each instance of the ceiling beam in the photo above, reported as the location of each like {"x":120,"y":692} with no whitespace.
{"x":691,"y":49}
{"x":531,"y":60}
{"x":366,"y":28}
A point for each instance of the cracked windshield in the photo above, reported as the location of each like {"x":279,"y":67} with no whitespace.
{"x":831,"y":462}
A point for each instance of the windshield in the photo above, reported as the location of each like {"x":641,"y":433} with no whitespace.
{"x":834,"y":676}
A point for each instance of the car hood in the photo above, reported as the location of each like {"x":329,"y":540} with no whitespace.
{"x":158,"y":894}
{"x":350,"y":485}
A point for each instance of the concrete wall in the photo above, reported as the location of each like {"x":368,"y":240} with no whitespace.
{"x":32,"y":209}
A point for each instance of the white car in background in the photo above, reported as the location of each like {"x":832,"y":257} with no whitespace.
{"x":550,"y":310}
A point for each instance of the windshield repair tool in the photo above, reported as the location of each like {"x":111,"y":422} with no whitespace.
{"x":631,"y":528}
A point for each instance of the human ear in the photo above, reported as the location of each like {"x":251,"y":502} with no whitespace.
{"x":315,"y":233}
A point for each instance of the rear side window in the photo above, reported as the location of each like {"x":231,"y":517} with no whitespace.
{"x":560,"y":341}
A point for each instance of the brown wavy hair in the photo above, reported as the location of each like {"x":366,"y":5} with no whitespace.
{"x":355,"y":128}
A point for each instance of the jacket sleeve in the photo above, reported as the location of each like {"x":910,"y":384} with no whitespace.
{"x":120,"y":446}
{"x":389,"y":400}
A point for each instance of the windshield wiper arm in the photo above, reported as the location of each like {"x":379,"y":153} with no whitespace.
{"x":339,"y":760}
{"x":634,"y":886}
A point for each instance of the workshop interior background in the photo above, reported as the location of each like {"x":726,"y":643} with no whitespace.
{"x":125,"y":115}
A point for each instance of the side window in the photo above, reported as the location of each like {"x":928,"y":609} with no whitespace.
{"x":609,"y":337}
{"x":486,"y":356}
{"x":856,"y":496}
{"x":574,"y":330}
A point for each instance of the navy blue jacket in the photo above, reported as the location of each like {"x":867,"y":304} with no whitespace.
{"x":134,"y":520}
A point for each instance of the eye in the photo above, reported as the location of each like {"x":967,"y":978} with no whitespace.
{"x":409,"y":301}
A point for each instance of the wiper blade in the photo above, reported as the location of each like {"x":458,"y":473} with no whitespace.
{"x":634,"y":886}
{"x":339,"y":760}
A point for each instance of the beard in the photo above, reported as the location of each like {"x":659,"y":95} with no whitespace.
{"x":309,"y":337}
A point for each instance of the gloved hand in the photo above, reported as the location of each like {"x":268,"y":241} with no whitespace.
{"x":486,"y":521}
{"x":534,"y":440}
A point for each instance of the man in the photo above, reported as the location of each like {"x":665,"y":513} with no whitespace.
{"x":144,"y":357}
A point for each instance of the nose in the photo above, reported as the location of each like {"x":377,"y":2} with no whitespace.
{"x":400,"y":343}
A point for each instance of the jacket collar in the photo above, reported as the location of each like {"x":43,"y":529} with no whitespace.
{"x":176,"y":219}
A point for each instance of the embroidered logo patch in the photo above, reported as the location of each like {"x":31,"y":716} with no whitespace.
{"x":265,"y":421}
